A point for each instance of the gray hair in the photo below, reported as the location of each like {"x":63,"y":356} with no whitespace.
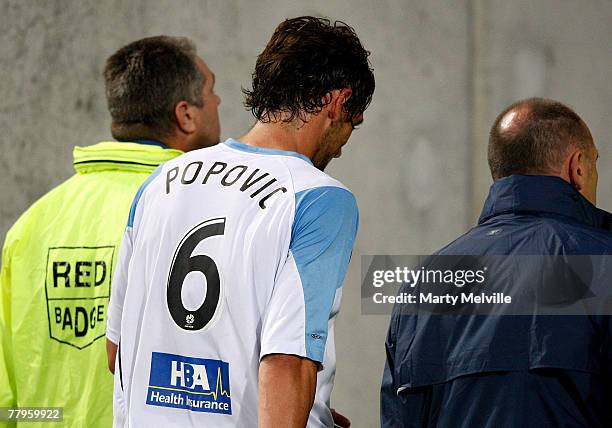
{"x":145,"y":80}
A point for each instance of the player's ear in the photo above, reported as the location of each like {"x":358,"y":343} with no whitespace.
{"x":336,"y":104}
{"x":577,"y":169}
{"x":185,"y":117}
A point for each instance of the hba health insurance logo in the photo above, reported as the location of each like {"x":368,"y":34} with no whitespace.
{"x":197,"y":384}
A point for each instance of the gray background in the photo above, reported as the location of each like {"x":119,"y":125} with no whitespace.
{"x":444,"y":69}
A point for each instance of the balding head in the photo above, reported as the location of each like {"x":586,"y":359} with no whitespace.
{"x":534,"y":137}
{"x":539,"y":136}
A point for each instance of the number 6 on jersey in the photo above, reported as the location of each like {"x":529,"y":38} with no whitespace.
{"x":184,"y":263}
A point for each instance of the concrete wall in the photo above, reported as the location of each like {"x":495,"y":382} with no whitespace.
{"x":418,"y":165}
{"x":551,"y":48}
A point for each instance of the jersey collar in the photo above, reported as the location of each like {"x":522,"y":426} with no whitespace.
{"x":230,"y":142}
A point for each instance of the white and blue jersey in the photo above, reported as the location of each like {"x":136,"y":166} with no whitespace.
{"x":231,"y":253}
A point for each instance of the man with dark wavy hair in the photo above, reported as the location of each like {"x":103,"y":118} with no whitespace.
{"x":311,"y":85}
{"x":234,"y":255}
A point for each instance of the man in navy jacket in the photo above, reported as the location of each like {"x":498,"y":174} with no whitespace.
{"x":514,"y":371}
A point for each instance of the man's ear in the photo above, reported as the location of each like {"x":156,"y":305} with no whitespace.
{"x":336,"y":105}
{"x":185,"y":117}
{"x":577,"y":169}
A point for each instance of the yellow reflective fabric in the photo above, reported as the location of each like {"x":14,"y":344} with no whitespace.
{"x":57,"y":266}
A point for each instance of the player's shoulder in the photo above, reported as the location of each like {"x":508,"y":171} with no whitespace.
{"x":306,"y":177}
{"x":316,"y":191}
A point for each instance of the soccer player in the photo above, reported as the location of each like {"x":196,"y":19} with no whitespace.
{"x":58,"y":258}
{"x":230,"y":272}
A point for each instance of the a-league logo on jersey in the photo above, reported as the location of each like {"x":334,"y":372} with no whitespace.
{"x":197,"y":384}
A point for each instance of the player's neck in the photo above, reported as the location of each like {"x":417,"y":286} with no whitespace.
{"x":301,"y":138}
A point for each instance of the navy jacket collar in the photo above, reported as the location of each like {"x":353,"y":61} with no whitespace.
{"x":542,"y":194}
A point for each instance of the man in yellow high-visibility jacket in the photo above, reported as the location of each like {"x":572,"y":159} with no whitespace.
{"x":58,"y":258}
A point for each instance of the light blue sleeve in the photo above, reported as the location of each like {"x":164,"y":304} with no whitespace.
{"x":322,"y":237}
